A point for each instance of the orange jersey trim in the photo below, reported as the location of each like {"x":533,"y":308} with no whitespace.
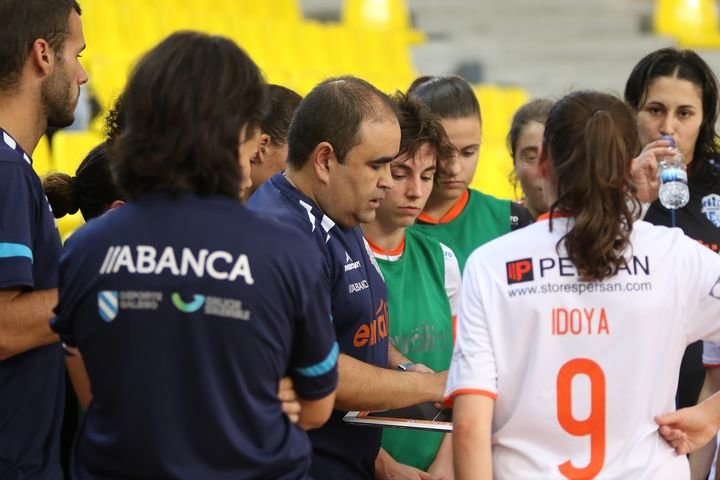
{"x":711,"y":365}
{"x":395,"y":252}
{"x":454,"y":327}
{"x":454,"y":212}
{"x":546,"y":216}
{"x":449,"y":400}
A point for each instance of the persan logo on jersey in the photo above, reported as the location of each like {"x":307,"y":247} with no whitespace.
{"x":145,"y":260}
{"x":524,"y":269}
{"x":519,"y":271}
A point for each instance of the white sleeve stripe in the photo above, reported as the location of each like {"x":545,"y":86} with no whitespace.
{"x":452,"y":278}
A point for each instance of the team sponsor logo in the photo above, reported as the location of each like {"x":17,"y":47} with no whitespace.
{"x":216,"y":306}
{"x":375,"y":331}
{"x":529,"y":269}
{"x":358,"y":286}
{"x":108,"y":305}
{"x":226,"y":308}
{"x":140,"y":300}
{"x":111,"y":302}
{"x":711,"y":208}
{"x":715,"y":290}
{"x":519,"y":271}
{"x":190,"y":307}
{"x":147,"y":260}
{"x":424,"y":338}
{"x":349,"y":264}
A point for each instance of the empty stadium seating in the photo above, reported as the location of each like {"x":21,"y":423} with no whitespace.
{"x":693,"y":23}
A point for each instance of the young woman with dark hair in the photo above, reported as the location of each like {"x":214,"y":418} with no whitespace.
{"x":571,"y":331}
{"x":91,"y":190}
{"x":675,"y":93}
{"x":272,"y":152}
{"x":524,"y":139}
{"x":455,"y":214}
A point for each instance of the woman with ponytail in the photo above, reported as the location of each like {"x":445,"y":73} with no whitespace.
{"x":571,"y":330}
{"x":91,"y":190}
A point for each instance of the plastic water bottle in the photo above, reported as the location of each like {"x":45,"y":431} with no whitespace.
{"x":674,"y":192}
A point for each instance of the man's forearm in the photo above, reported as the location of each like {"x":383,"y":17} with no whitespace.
{"x":363,"y":386}
{"x":395,"y":358}
{"x":24,"y":320}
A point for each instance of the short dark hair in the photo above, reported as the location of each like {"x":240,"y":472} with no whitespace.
{"x":276,"y":121}
{"x":447,"y":97}
{"x":91,"y":190}
{"x":333,"y":112}
{"x":183,"y":109}
{"x":24,"y":22}
{"x":685,"y":65}
{"x":418,"y":126}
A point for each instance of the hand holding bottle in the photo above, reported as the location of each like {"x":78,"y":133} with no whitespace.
{"x":672,"y":175}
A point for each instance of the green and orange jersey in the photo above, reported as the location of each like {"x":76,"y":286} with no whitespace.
{"x":475,"y":219}
{"x":423,"y":281}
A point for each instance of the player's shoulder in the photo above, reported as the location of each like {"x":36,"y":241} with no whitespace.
{"x":476,"y":196}
{"x":427,"y":240}
{"x":660,"y":237}
{"x":10,"y":151}
{"x":278,"y":200}
{"x":14,"y":164}
{"x":525,"y":241}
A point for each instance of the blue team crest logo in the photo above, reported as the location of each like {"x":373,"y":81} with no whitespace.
{"x":108,"y":305}
{"x":711,"y":208}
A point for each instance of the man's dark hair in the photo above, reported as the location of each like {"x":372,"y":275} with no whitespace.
{"x":25,"y":21}
{"x":183,"y":111}
{"x":276,"y":122}
{"x":333,"y":112}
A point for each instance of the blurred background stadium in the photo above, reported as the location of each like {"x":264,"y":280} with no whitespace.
{"x":511,"y":50}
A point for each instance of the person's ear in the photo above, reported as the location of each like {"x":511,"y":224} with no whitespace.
{"x":322,"y":158}
{"x":263,"y":144}
{"x":42,"y":56}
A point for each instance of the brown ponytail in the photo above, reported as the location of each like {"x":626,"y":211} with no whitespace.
{"x":591,"y":138}
{"x":60,"y":191}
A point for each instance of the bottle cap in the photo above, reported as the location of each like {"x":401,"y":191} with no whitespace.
{"x":669,"y":138}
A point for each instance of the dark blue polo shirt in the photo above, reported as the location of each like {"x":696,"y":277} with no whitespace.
{"x":359,"y":309}
{"x":32,"y":384}
{"x":188,"y":310}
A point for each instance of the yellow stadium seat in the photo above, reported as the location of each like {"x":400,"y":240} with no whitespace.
{"x":42,"y":158}
{"x":68,"y":224}
{"x":381,"y":15}
{"x":497,"y":104}
{"x":275,"y":10}
{"x":493,"y":172}
{"x":694,"y":23}
{"x":492,"y":108}
{"x":70,"y":148}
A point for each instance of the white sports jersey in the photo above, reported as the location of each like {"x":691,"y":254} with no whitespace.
{"x":579,"y":369}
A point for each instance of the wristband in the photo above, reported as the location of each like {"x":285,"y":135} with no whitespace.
{"x":404,"y":366}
